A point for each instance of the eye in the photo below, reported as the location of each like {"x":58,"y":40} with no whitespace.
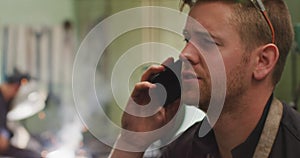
{"x":207,"y":41}
{"x":205,"y":44}
{"x":186,"y":35}
{"x":186,"y":40}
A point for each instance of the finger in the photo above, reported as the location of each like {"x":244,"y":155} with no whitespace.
{"x":168,"y":61}
{"x":141,"y":87}
{"x":152,"y":70}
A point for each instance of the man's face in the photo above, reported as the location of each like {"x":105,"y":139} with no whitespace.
{"x":215,"y":18}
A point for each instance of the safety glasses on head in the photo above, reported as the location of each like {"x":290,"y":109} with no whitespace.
{"x":260,"y":6}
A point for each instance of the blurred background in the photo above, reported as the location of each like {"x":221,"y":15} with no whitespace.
{"x":41,"y":37}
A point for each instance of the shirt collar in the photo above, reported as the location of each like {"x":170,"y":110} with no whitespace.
{"x":208,"y":144}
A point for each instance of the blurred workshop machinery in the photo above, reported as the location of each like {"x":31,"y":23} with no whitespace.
{"x":295,"y":90}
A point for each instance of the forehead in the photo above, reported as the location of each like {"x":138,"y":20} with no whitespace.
{"x":213,"y":16}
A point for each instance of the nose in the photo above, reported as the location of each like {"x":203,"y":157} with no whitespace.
{"x":191,"y":54}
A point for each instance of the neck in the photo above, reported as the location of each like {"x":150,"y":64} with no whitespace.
{"x":237,"y":120}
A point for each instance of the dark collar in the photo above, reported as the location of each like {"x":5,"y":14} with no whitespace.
{"x":209,"y":146}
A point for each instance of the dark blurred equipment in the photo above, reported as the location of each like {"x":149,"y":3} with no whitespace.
{"x":30,"y":98}
{"x":9,"y":92}
{"x":29,"y":101}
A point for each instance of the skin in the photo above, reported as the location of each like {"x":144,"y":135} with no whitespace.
{"x":4,"y":143}
{"x":247,"y":74}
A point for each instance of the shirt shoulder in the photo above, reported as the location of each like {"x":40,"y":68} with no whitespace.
{"x":287,"y":142}
{"x":291,"y":121}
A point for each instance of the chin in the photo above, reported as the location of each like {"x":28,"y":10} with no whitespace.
{"x":196,"y":99}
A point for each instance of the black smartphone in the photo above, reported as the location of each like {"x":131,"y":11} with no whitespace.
{"x":170,"y":78}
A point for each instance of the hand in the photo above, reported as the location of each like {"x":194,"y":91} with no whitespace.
{"x":144,"y":121}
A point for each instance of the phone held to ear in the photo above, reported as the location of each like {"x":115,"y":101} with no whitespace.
{"x":170,"y":79}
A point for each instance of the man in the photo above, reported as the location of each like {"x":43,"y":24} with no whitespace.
{"x":253,"y":44}
{"x":8,"y":91}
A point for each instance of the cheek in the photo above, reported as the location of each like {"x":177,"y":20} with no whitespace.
{"x":231,"y":62}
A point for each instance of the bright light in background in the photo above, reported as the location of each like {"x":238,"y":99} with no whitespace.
{"x":63,"y":152}
{"x":71,"y":138}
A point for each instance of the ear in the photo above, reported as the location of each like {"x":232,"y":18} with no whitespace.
{"x":266,"y":59}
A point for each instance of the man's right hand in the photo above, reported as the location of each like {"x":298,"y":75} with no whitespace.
{"x":140,"y":128}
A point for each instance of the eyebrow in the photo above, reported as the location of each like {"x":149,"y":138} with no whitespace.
{"x":202,"y":34}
